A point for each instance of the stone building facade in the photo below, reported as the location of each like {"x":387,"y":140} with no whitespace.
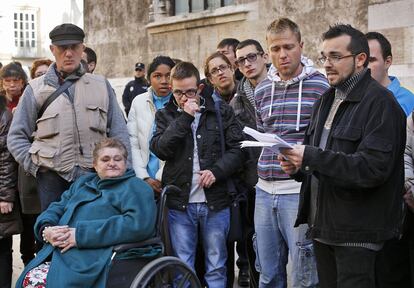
{"x":126,"y":31}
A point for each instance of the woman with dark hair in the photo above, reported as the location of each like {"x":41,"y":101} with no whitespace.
{"x":141,"y":124}
{"x":13,"y":81}
{"x":9,"y":211}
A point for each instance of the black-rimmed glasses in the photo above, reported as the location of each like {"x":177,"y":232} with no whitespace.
{"x":190,"y":93}
{"x":251,"y":57}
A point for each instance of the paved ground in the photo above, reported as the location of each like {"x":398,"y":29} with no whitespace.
{"x":17,"y":262}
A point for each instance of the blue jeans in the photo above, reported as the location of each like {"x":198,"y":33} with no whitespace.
{"x":50,"y":187}
{"x":274,"y":218}
{"x":213,"y":226}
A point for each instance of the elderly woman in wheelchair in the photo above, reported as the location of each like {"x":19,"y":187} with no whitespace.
{"x":99,"y":211}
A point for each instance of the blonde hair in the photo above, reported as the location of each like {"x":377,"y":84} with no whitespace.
{"x":283,"y":24}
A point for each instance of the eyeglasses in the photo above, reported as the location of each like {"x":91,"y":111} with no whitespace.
{"x":251,"y":57}
{"x":190,"y":93}
{"x":334,"y":58}
{"x":222,"y":68}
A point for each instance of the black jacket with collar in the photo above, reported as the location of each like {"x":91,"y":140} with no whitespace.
{"x":361,"y":171}
{"x":173,"y":142}
{"x":245,"y":114}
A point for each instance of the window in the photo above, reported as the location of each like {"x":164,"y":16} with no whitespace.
{"x":191,"y":6}
{"x":25,"y":29}
{"x":188,"y":6}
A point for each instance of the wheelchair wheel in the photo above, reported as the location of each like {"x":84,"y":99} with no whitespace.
{"x":166,"y":272}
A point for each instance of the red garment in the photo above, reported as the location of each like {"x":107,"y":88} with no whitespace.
{"x":12,"y":104}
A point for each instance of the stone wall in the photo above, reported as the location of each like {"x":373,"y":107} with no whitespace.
{"x":121,"y":32}
{"x":116,"y":31}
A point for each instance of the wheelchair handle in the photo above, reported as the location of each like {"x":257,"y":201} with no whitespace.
{"x":167,"y":190}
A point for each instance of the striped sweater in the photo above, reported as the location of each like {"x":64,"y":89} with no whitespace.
{"x":284,"y":108}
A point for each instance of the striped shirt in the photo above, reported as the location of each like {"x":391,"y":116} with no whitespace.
{"x":284,"y":116}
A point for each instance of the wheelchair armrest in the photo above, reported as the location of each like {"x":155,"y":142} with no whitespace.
{"x":127,"y":246}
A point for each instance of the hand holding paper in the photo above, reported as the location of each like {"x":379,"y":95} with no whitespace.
{"x":294,"y":155}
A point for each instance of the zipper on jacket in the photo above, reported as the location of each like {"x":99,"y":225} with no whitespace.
{"x":313,"y":144}
{"x":327,"y":145}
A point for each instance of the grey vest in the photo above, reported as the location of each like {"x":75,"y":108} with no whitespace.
{"x":66,"y":133}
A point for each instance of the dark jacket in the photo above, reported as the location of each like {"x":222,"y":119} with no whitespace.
{"x":173,"y":142}
{"x":245,"y":114}
{"x":132,"y":89}
{"x":361,"y":171}
{"x":10,"y":223}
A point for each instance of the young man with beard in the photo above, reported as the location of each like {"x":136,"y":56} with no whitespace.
{"x":251,"y":60}
{"x":188,"y":140}
{"x":284,"y":101}
{"x":351,"y":165}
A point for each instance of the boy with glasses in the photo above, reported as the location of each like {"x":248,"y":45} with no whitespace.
{"x":251,"y":60}
{"x":284,"y":101}
{"x":187,"y":138}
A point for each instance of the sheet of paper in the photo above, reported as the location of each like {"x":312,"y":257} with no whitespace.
{"x":274,"y":147}
{"x":264,"y":140}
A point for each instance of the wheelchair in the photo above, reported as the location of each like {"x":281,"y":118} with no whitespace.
{"x":143,"y":264}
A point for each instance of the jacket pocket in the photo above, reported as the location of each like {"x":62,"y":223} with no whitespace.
{"x":346,"y":139}
{"x":42,"y":155}
{"x":347,"y":133}
{"x":47,"y":126}
{"x":97,"y":118}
